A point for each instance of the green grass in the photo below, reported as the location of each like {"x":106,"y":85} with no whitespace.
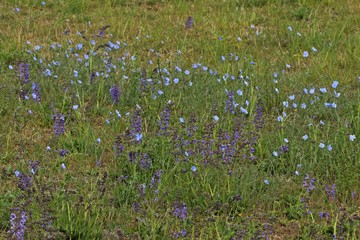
{"x":250,"y":182}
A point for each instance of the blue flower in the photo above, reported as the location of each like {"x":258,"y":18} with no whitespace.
{"x":321,"y":145}
{"x":305,"y":137}
{"x":239,"y":92}
{"x":329,"y":147}
{"x":279,"y":118}
{"x":138,"y":136}
{"x":275,"y":154}
{"x":292,"y":97}
{"x":352,"y":137}
{"x":323,"y":90}
{"x":182,"y":120}
{"x":193,"y":168}
{"x":216,"y":118}
{"x":334,"y":84}
{"x":63,"y":166}
{"x":176,"y":80}
{"x":243,"y":110}
{"x":305,"y":54}
{"x":266,"y":182}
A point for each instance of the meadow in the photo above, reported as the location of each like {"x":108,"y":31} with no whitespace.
{"x":180,"y":119}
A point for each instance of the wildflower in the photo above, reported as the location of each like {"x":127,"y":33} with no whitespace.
{"x":352,"y":137}
{"x":308,"y":183}
{"x":63,"y":152}
{"x":164,"y":121}
{"x":279,"y":118}
{"x":321,"y":145}
{"x":181,"y":120}
{"x":303,"y":106}
{"x":180,"y":211}
{"x":305,"y":137}
{"x":24,"y":72}
{"x":297,"y":173}
{"x":63,"y":166}
{"x":335,"y":84}
{"x":115,"y":94}
{"x":176,"y":80}
{"x":98,"y":140}
{"x":331,"y":191}
{"x":243,"y":110}
{"x":138,"y":137}
{"x":230,"y":102}
{"x":75,"y":107}
{"x":216,"y":118}
{"x":313,"y":49}
{"x":36,"y":92}
{"x":305,"y":54}
{"x":292,"y":97}
{"x":323,"y":215}
{"x":187,"y":72}
{"x":266,"y":182}
{"x":145,"y":161}
{"x":239,"y":92}
{"x":312,"y":90}
{"x":275,"y":154}
{"x":329,"y":147}
{"x":59,"y":124}
{"x":323,"y":90}
{"x":17,"y":227}
{"x":189,"y":22}
{"x":193,"y":168}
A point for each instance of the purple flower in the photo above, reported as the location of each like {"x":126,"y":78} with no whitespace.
{"x":118,"y":146}
{"x":115,"y":94}
{"x":145,"y":161}
{"x":180,"y":211}
{"x":189,"y":22}
{"x":24,"y":73}
{"x":63,"y":152}
{"x":136,"y":125}
{"x":155,"y":180}
{"x":132,"y":156}
{"x":230,"y":103}
{"x":331,"y":191}
{"x":59,"y":127}
{"x":17,"y":225}
{"x":308,"y":183}
{"x":36,"y":92}
{"x":164,"y":121}
{"x":323,"y":215}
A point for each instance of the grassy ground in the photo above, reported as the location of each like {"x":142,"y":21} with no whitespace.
{"x":121,"y":123}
